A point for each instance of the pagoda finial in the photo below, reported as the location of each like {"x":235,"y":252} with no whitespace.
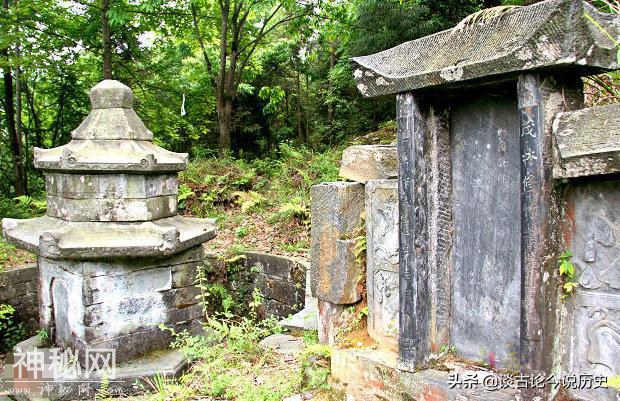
{"x":110,"y":94}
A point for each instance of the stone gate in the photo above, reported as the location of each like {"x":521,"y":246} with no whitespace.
{"x":502,"y":170}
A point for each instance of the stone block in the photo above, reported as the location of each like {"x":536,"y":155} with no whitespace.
{"x":363,"y":163}
{"x":273,"y":287}
{"x":187,"y":314}
{"x":288,"y":269}
{"x":271,"y":307}
{"x":382,"y":260}
{"x":116,"y":304}
{"x":284,"y":344}
{"x":369,"y":375}
{"x":15,"y":290}
{"x":184,"y":275}
{"x":112,"y":209}
{"x":127,"y":285}
{"x":110,"y":186}
{"x":186,"y":296}
{"x":20,"y":275}
{"x":337,"y":210}
{"x":588,"y":141}
{"x":330,"y":320}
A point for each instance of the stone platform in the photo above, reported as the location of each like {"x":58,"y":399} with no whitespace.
{"x":368,"y":374}
{"x":126,"y":379}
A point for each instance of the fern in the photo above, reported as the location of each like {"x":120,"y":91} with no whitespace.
{"x":483,"y":16}
{"x":248,"y":200}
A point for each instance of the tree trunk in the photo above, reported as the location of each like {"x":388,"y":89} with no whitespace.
{"x":107,"y":40}
{"x":300,"y":131}
{"x":38,"y":142}
{"x":9,"y":111}
{"x":330,"y":106}
{"x":308,"y":128}
{"x":19,"y":128}
{"x":224,"y":119}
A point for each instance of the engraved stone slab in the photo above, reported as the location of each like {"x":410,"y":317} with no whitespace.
{"x":486,"y":279}
{"x":594,"y":335}
{"x":382,"y":260}
{"x":337,"y":209}
{"x":369,"y":162}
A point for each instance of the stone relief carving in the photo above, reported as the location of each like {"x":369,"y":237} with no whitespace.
{"x":604,"y":338}
{"x":599,"y":237}
{"x":595,"y":335}
{"x":386,"y":299}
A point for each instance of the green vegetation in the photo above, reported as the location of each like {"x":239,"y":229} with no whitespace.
{"x":229,"y":363}
{"x":11,"y":257}
{"x":567,"y":272}
{"x":261,"y":95}
{"x":10,"y":332}
{"x":210,"y":77}
{"x":261,"y":203}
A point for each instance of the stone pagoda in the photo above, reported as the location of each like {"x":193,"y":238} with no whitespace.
{"x":115,"y":260}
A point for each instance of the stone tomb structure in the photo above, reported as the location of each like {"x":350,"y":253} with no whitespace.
{"x":501,"y":170}
{"x":115,"y":260}
{"x":342,"y":214}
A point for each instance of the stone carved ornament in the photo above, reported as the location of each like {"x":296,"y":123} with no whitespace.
{"x":386,"y":291}
{"x":604,"y":338}
{"x":600,"y":236}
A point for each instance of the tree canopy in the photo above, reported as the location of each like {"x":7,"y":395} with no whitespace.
{"x":210,"y":76}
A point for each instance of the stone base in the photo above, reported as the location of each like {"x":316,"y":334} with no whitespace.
{"x":372,"y":375}
{"x":128,"y":378}
{"x":119,"y":304}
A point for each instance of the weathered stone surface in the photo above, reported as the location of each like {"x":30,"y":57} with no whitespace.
{"x":440,"y":229}
{"x":58,"y":239}
{"x":369,"y":375}
{"x":288,"y":269}
{"x":486,"y":277}
{"x":110,"y":186}
{"x":283,"y":344}
{"x":588,"y":141}
{"x":112,"y":209}
{"x":18,"y":288}
{"x":109,"y":155}
{"x":414,"y":294}
{"x":545,"y":34}
{"x":169,"y":363}
{"x":330,"y":321}
{"x":382,"y":260}
{"x":112,"y":123}
{"x":363,"y":163}
{"x":593,"y":337}
{"x":281,"y":280}
{"x":184,"y":275}
{"x":337,"y":210}
{"x":110,"y":94}
{"x":116,"y":306}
